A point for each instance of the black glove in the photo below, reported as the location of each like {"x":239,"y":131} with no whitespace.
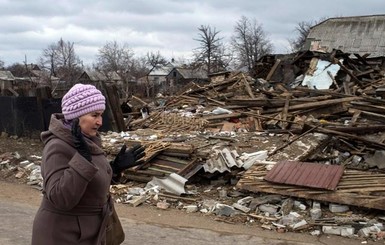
{"x":127,"y":158}
{"x":80,"y":143}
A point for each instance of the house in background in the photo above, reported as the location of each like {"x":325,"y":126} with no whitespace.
{"x":28,"y":77}
{"x":356,"y":34}
{"x":96,"y":77}
{"x":180,"y":77}
{"x":6,"y":83}
{"x":157,"y":76}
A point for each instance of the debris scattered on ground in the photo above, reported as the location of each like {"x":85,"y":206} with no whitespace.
{"x":298,"y":149}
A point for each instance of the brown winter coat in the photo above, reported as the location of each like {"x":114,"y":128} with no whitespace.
{"x":75,"y":190}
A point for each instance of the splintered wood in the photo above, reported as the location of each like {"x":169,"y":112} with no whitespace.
{"x":172,"y":122}
{"x":153,"y":148}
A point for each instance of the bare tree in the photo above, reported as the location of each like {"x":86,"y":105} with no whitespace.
{"x":17,"y":70}
{"x":61,"y":61}
{"x":249,"y":42}
{"x":153,"y":61}
{"x":115,"y":57}
{"x":302,"y":31}
{"x":211,"y":52}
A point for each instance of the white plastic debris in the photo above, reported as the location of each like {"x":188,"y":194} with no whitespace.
{"x":220,"y":110}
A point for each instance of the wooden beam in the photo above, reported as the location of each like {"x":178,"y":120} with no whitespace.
{"x":247,"y":86}
{"x":310,"y":105}
{"x":272,"y":70}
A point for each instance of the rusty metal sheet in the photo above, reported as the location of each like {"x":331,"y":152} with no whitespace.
{"x":357,"y":188}
{"x":307,"y":174}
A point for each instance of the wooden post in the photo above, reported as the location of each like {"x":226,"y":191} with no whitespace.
{"x":42,"y":94}
{"x":113,"y":108}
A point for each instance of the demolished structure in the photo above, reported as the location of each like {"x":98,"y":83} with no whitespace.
{"x":307,"y":134}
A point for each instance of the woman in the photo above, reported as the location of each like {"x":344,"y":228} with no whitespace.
{"x":76,"y":173}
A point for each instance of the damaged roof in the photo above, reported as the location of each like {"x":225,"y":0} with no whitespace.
{"x":355,"y":34}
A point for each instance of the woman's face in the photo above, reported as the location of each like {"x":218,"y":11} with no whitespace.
{"x":91,"y":122}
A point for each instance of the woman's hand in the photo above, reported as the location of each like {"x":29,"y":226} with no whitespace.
{"x":80,"y":143}
{"x":128,"y":158}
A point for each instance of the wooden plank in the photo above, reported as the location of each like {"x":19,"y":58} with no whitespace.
{"x":346,"y":85}
{"x":311,"y":105}
{"x":356,"y":115}
{"x":349,"y":72}
{"x":223,"y":116}
{"x":373,"y":116}
{"x":273,"y":69}
{"x":285,"y":111}
{"x":367,"y":107}
{"x":291,"y":141}
{"x":351,"y":137}
{"x":247,"y":86}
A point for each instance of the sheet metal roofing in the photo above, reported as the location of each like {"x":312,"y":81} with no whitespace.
{"x":307,"y":174}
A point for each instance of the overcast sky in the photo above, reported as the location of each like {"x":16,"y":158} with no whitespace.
{"x":27,"y":27}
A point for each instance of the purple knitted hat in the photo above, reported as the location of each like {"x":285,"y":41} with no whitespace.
{"x":82,"y":99}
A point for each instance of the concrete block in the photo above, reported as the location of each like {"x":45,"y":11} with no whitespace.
{"x":315,"y":213}
{"x":299,"y":224}
{"x":338,"y":230}
{"x":316,"y":205}
{"x":137,"y":200}
{"x":365,"y":232}
{"x":240,"y":207}
{"x":347,"y":231}
{"x":299,"y":205}
{"x":162,"y":205}
{"x":271,"y":209}
{"x":332,"y":230}
{"x":337,"y":208}
{"x":224,"y":210}
{"x":191,"y":208}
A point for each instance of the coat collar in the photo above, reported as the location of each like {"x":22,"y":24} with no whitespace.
{"x":57,"y":129}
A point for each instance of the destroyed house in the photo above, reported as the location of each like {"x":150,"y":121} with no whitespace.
{"x":356,"y":34}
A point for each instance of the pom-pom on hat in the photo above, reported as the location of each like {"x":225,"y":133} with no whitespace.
{"x":82,"y":99}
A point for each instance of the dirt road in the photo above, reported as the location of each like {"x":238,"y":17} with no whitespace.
{"x":148,"y":225}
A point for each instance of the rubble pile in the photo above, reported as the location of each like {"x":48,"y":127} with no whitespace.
{"x":213,"y":148}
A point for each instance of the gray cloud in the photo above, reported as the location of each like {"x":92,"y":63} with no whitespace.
{"x":167,"y":26}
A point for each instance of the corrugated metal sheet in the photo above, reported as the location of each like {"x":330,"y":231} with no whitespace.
{"x":173,"y":183}
{"x":306,"y":174}
{"x":223,"y":160}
